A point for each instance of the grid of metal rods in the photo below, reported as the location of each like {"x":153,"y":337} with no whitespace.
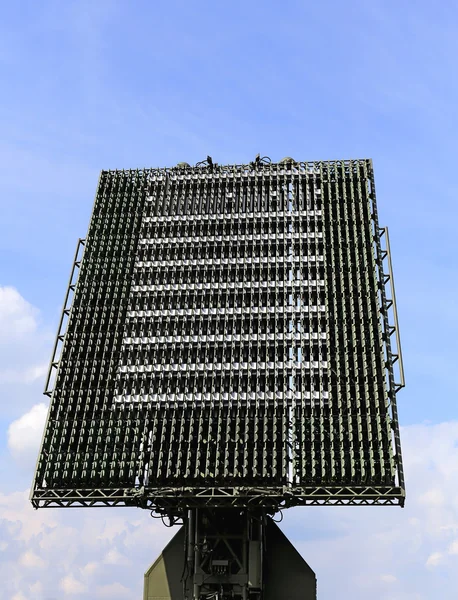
{"x":230,"y":330}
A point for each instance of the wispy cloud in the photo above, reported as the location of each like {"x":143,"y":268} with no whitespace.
{"x":25,"y":344}
{"x":24,"y":435}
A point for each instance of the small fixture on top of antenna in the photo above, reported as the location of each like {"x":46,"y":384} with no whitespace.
{"x":260,"y":161}
{"x":207,"y":163}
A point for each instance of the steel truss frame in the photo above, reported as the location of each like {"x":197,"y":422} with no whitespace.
{"x":177,"y":500}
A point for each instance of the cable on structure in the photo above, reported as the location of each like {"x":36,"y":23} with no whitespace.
{"x":280,"y":520}
{"x":260,"y":161}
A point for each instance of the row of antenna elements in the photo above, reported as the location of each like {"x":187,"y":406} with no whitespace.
{"x":257,"y":162}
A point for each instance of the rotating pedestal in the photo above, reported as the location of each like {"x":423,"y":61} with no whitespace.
{"x":229,"y":554}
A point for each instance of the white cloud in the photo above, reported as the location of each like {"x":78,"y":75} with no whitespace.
{"x":434,"y":559}
{"x":37,"y":372}
{"x":31,"y":560}
{"x":36,"y":589}
{"x":433,"y":497}
{"x":17,"y":316}
{"x":25,"y":347}
{"x":70,"y":585}
{"x":29,"y":375}
{"x":24,"y":434}
{"x":113,"y":590}
{"x":388,"y":578}
{"x":113,"y":557}
{"x":112,"y":528}
{"x":69,"y":548}
{"x":89,"y":569}
{"x":24,"y":523}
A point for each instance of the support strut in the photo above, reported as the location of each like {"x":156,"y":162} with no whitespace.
{"x":224,"y":554}
{"x":236,"y":554}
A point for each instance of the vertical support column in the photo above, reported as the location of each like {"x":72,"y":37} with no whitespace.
{"x":190,"y":539}
{"x":196,"y":585}
{"x":224,"y":550}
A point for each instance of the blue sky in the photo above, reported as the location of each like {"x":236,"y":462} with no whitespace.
{"x":97,"y":85}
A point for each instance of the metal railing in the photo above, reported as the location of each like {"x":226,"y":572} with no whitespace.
{"x":65,"y":314}
{"x":391,"y":303}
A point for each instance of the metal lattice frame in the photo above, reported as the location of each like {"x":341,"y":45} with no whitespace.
{"x":229,"y":344}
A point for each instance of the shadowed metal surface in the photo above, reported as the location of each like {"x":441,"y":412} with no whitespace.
{"x":286,"y":575}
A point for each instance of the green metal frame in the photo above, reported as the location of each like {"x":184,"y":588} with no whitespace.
{"x":229,"y":343}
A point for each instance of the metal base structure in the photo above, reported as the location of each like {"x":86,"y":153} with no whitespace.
{"x":229,"y":554}
{"x":226,"y":352}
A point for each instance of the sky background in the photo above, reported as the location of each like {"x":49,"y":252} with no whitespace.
{"x":115,"y":84}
